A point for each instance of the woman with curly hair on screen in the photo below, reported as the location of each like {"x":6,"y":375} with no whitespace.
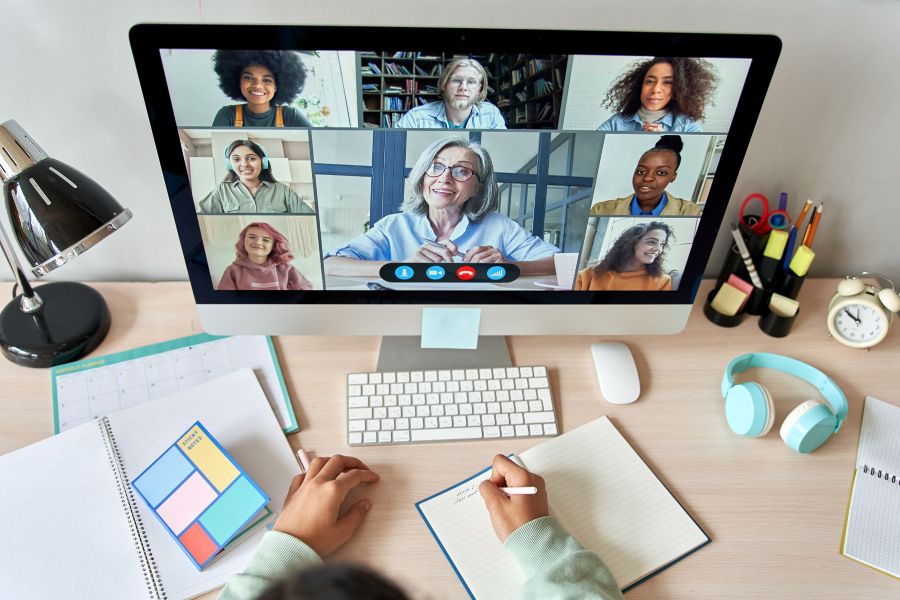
{"x":635,"y":261}
{"x":262,"y":262}
{"x":661,"y":94}
{"x":267,"y":81}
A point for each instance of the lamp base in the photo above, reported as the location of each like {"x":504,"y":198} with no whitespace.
{"x":73,"y":320}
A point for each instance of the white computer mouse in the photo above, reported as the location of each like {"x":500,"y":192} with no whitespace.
{"x":616,"y":372}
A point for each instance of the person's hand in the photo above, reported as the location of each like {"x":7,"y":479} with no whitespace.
{"x":311,"y":508}
{"x":434,"y":253}
{"x":484,"y":254}
{"x":652,"y":127}
{"x":508,"y":513}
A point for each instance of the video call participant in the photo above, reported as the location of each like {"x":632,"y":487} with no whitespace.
{"x":287,"y":564}
{"x":661,"y":94}
{"x":635,"y":262}
{"x":268,"y":80}
{"x":452,"y":200}
{"x":250,"y":187}
{"x":262,"y":262}
{"x":656,"y":169}
{"x":463,"y":88}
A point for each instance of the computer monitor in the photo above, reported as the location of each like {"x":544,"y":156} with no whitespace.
{"x":335,"y":180}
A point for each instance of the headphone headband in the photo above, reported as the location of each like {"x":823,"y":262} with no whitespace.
{"x":785,"y":364}
{"x":264,"y":158}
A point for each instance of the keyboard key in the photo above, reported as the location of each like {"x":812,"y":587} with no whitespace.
{"x":550,"y":429}
{"x":358,"y":401}
{"x":359,"y":413}
{"x":458,"y":374}
{"x":454,"y":433}
{"x":540,"y":372}
{"x":431,"y":376}
{"x":416,"y":376}
{"x":355,"y":438}
{"x":374,"y":377}
{"x":485,"y":374}
{"x":354,"y":390}
{"x":357,"y":378}
{"x":539,"y":417}
{"x":384,"y":437}
{"x":388,"y":378}
{"x":526,"y":372}
{"x":471,"y":373}
{"x":491,"y":432}
{"x":536,"y":429}
{"x":402,"y":377}
{"x":401,"y":436}
{"x":370,"y":437}
{"x":356,"y":425}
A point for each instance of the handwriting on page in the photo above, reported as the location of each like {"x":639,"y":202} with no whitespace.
{"x":464,"y":493}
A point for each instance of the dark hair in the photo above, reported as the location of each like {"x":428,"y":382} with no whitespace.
{"x":334,"y":582}
{"x":668,"y":143}
{"x":285,"y":65}
{"x":695,"y":82}
{"x":264,"y":174}
{"x":622,"y":250}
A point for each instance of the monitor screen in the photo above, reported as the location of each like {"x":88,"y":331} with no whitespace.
{"x":340,"y":169}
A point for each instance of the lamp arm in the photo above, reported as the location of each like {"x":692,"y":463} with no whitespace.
{"x":30,"y":301}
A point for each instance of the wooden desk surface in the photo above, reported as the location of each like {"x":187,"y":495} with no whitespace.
{"x":775,"y":517}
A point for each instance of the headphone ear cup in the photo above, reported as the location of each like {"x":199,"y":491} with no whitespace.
{"x":749,"y":410}
{"x":850,"y":287}
{"x":889,"y":299}
{"x":808,"y":426}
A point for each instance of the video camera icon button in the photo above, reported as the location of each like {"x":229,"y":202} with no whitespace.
{"x":435,"y":273}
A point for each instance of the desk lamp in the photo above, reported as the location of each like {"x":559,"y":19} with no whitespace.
{"x":55,"y":213}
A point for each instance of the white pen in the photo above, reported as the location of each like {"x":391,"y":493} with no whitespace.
{"x":519,"y":491}
{"x":304,"y":460}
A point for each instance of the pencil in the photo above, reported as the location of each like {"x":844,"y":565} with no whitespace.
{"x":519,"y":491}
{"x":814,"y":225}
{"x":803,"y":212}
{"x":745,"y":254}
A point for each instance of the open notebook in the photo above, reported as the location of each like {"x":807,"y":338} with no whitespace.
{"x":73,"y":528}
{"x":872,"y":528}
{"x":600,"y":491}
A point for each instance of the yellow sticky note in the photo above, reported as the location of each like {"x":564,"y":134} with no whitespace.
{"x":783,"y":306}
{"x":728,"y":300}
{"x":802,"y":259}
{"x":775,"y":246}
{"x":208,"y":459}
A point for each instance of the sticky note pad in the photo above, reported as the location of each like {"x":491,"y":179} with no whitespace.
{"x":728,"y":300}
{"x":450,"y":327}
{"x":802,"y":260}
{"x":783,"y":306}
{"x":776,"y":244}
{"x":200,"y":494}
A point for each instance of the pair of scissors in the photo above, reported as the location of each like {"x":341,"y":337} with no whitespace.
{"x":768,"y":220}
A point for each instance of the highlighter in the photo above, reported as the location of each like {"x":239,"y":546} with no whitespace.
{"x":768,"y":266}
{"x":802,"y":260}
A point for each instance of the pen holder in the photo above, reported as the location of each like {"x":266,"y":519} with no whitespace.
{"x":758,"y":301}
{"x":790,"y":285}
{"x":717,"y":317}
{"x":776,"y":325}
{"x":733,"y":263}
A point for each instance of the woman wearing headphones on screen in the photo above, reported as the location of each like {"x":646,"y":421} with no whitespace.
{"x":635,"y":262}
{"x":250,"y":187}
{"x":661,"y":94}
{"x":656,"y":169}
{"x":267,"y":80}
{"x":262,"y":262}
{"x":450,"y":211}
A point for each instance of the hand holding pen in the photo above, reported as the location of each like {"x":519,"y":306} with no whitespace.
{"x":512,"y":509}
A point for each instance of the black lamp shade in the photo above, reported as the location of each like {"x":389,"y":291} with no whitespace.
{"x":57,"y":212}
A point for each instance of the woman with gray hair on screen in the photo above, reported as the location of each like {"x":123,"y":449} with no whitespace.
{"x":450,"y":210}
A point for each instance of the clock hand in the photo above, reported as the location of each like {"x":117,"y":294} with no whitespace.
{"x":849,"y":314}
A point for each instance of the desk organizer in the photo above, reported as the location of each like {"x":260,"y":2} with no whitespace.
{"x":779,"y":280}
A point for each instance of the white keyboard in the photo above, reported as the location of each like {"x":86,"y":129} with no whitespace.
{"x":449,"y":405}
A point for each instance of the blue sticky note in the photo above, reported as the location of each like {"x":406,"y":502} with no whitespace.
{"x":450,"y":328}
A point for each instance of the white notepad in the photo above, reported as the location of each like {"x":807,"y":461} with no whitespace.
{"x":600,"y":491}
{"x":71,"y":527}
{"x":872,"y":528}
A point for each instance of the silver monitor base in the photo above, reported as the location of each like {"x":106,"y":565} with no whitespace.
{"x":405,"y":353}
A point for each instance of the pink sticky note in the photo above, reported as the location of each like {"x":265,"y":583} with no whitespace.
{"x":736,"y":282}
{"x":186,"y":503}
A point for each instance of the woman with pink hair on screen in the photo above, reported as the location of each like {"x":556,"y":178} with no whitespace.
{"x":262,"y":262}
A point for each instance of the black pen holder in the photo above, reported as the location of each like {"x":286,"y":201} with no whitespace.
{"x":790,"y":285}
{"x":776,"y":325}
{"x":734,"y":264}
{"x":717,"y":317}
{"x":758,"y":301}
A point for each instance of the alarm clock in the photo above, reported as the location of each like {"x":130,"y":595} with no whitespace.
{"x":860,"y":313}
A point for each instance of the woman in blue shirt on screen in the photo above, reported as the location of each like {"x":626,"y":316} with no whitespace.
{"x":661,"y":94}
{"x":450,"y":211}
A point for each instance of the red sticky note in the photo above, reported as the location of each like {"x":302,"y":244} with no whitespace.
{"x":198,"y":543}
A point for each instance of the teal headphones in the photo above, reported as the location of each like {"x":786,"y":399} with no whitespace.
{"x":264,"y":157}
{"x":749,"y":410}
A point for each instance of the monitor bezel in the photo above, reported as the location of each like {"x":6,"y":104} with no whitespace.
{"x":147,"y":40}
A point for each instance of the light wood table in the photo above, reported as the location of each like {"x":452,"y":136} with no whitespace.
{"x":775,"y":517}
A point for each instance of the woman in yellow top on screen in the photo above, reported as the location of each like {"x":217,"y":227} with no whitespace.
{"x":635,"y":262}
{"x":656,"y":169}
{"x":249,"y":186}
{"x":269,"y":80}
{"x":661,"y":94}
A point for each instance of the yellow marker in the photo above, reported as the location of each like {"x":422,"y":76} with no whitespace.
{"x":728,"y":300}
{"x":802,"y":260}
{"x":783,"y":306}
{"x":208,"y":459}
{"x":777,"y":241}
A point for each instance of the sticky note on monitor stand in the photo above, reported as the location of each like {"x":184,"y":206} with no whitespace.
{"x":450,"y":328}
{"x":200,"y":494}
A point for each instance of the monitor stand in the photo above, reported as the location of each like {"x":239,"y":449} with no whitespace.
{"x":405,"y":353}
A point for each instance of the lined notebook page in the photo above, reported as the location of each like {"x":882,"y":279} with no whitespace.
{"x":600,"y":491}
{"x":873,"y":521}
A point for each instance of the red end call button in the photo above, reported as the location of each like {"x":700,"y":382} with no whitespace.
{"x":465,"y":273}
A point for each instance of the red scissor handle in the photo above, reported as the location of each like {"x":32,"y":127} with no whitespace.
{"x":761,"y":226}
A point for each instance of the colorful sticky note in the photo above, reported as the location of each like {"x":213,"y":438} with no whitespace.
{"x":200,"y":494}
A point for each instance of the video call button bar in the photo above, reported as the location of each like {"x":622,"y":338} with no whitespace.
{"x":450,"y":272}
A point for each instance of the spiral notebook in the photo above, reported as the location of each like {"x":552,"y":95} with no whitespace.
{"x":72,"y":527}
{"x":613,"y":504}
{"x":872,"y":528}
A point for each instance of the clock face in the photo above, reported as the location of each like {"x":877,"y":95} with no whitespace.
{"x":859,"y":323}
